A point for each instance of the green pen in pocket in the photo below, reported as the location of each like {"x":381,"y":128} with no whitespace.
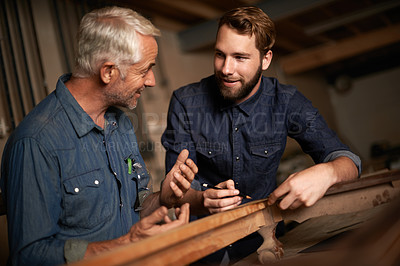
{"x":129,"y":160}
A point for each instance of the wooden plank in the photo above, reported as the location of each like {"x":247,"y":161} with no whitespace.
{"x":191,"y":242}
{"x":195,"y":240}
{"x":315,"y":57}
{"x":346,"y":202}
{"x":363,"y":182}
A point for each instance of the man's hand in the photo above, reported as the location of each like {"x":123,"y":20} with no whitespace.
{"x":308,"y":186}
{"x":155,"y":223}
{"x":150,"y":225}
{"x":178,"y":180}
{"x":219,"y":200}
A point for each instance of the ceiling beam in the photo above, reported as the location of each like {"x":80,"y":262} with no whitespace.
{"x":319,"y":56}
{"x":355,"y":16}
{"x":196,"y":8}
{"x":165,"y":23}
{"x":203,"y":35}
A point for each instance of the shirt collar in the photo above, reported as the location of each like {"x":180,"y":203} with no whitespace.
{"x":246,"y":106}
{"x":80,"y":120}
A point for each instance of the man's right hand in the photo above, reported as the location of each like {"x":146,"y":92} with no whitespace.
{"x":150,"y":225}
{"x":219,"y":200}
{"x":146,"y":227}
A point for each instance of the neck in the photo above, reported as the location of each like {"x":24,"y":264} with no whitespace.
{"x":88,"y":95}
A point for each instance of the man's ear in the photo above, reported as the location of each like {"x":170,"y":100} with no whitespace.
{"x":266,"y":60}
{"x":108,"y":71}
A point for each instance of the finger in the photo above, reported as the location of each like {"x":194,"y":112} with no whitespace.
{"x":277,"y":193}
{"x":177,"y":211}
{"x":192,"y":165}
{"x":221,"y":203}
{"x":177,"y":191}
{"x":216,"y":210}
{"x":287,"y":201}
{"x":156,"y":217}
{"x":187,"y":173}
{"x":167,"y":219}
{"x":184,"y":213}
{"x":181,"y":180}
{"x":228,"y":184}
{"x":182,"y":156}
{"x":220,"y":193}
{"x":295,"y":204}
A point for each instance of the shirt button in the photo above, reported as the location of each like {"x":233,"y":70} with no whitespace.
{"x":96,"y":182}
{"x":237,"y":158}
{"x":209,"y":152}
{"x":76,"y":190}
{"x":265,"y":152}
{"x":236,"y":129}
{"x":115,"y":174}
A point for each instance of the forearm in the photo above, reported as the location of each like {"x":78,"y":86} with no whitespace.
{"x":95,"y":248}
{"x":192,"y":196}
{"x":343,"y":169}
{"x":196,"y":200}
{"x":151,"y":203}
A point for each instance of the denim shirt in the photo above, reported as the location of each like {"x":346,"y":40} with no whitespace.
{"x":245,"y":142}
{"x":66,"y":180}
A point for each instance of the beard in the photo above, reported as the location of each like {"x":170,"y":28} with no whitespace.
{"x":116,"y":97}
{"x":243,"y":91}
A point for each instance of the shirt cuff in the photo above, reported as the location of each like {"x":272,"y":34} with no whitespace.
{"x":75,"y":249}
{"x":195,"y":185}
{"x":333,"y":155}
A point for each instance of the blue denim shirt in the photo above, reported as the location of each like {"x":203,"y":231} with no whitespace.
{"x":245,"y":141}
{"x":66,"y":180}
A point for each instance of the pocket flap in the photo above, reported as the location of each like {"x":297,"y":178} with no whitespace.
{"x":78,"y":183}
{"x":265,"y":150}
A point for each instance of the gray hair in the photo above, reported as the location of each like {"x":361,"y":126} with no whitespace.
{"x":110,"y":34}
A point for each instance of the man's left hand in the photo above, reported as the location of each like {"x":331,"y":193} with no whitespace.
{"x":308,"y":186}
{"x":178,"y":180}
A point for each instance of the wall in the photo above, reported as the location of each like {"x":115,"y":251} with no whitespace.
{"x":369,"y":112}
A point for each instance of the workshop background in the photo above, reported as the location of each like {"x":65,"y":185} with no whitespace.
{"x":344,"y":55}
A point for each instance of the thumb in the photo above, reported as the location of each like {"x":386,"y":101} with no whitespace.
{"x":157,"y":216}
{"x":182,"y":157}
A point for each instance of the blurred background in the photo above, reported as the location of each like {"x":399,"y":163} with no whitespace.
{"x":344,"y":55}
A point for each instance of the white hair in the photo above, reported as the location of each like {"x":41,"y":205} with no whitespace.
{"x":110,"y":34}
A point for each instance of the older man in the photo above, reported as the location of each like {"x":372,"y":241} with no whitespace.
{"x":75,"y":182}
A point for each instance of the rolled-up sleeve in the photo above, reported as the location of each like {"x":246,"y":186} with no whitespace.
{"x":307,"y":126}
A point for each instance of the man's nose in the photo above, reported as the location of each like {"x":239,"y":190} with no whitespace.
{"x":150,"y":79}
{"x":229,"y":66}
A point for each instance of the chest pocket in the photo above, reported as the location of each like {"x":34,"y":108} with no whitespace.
{"x":86,"y":200}
{"x":213,"y":157}
{"x":265,"y":156}
{"x":210,"y":151}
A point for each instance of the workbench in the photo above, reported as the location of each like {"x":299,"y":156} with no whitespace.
{"x":366,"y":208}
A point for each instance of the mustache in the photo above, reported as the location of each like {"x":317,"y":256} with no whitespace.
{"x":226,"y":78}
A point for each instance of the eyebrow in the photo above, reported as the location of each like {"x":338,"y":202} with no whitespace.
{"x":150,"y":66}
{"x":235,"y":54}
